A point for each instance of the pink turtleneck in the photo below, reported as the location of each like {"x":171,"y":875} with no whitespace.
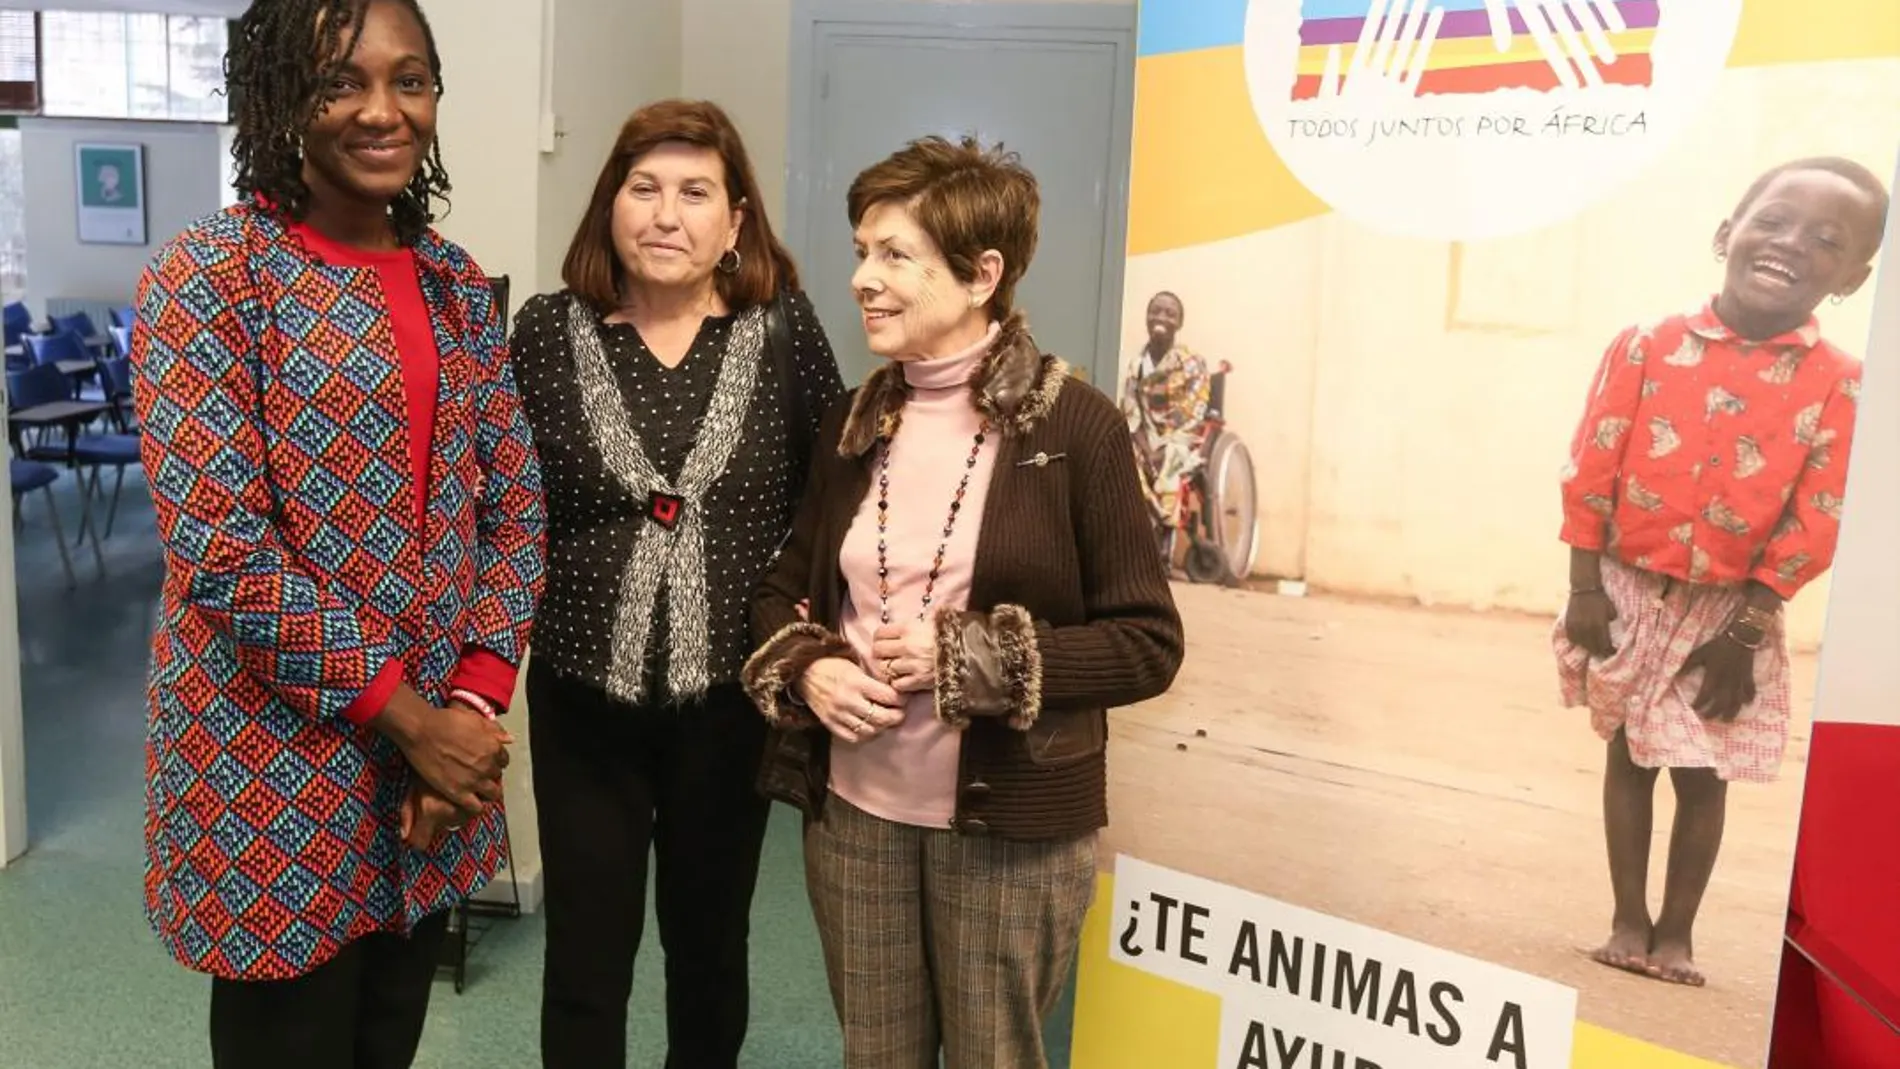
{"x":908,"y":773}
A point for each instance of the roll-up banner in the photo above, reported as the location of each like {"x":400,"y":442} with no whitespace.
{"x":1495,"y":368}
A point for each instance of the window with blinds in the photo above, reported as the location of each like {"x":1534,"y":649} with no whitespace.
{"x":19,"y":62}
{"x":12,"y":215}
{"x":110,"y":65}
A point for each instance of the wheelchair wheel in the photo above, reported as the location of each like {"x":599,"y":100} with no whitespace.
{"x":1205,"y":564}
{"x":1233,"y":504}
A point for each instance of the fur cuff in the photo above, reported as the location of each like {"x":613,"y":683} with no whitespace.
{"x":771,"y":670}
{"x":988,"y":665}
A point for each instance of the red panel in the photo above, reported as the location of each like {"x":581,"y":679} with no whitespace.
{"x":1845,"y":907}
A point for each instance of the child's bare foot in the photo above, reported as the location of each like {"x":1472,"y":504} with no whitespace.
{"x":1627,"y":949}
{"x":1673,"y":961}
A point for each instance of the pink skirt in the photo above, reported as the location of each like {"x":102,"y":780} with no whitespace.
{"x":1643,"y":690}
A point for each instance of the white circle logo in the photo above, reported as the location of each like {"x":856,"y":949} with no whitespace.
{"x":1469,"y":119}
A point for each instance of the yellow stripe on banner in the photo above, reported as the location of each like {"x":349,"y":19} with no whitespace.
{"x":1202,"y":167}
{"x":1600,"y":1048}
{"x":1813,"y":31}
{"x":1128,"y":1019}
{"x":1478,"y":51}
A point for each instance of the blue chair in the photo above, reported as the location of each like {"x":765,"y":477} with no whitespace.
{"x":18,"y":324}
{"x":78,"y":322}
{"x":122,"y":340}
{"x":91,"y":453}
{"x":19,"y":319}
{"x":123,"y":315}
{"x":30,"y":387}
{"x":37,"y":385}
{"x":65,"y":347}
{"x":56,"y":347}
{"x":96,"y":452}
{"x":116,"y":376}
{"x":28,"y":476}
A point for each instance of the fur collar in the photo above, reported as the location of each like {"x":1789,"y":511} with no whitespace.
{"x":1016,"y":387}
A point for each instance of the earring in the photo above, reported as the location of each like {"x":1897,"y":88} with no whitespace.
{"x":1720,"y":254}
{"x":733,"y":268}
{"x":1837,"y":298}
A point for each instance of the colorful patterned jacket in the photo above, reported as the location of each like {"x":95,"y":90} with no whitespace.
{"x":273,"y":423}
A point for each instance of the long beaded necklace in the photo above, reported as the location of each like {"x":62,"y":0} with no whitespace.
{"x":949,"y":525}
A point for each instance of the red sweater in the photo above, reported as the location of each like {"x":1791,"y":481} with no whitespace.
{"x":480,"y":671}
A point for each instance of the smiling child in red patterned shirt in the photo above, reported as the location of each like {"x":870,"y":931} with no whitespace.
{"x":1703,"y":491}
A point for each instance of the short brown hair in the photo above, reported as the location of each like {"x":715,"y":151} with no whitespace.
{"x":594,"y":272}
{"x":967,"y":198}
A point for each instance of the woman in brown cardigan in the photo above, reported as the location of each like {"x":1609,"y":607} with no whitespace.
{"x":969,"y":586}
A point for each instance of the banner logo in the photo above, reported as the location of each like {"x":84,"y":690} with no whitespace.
{"x":1467,"y":119}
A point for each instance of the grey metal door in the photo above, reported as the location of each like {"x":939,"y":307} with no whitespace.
{"x":1052,"y":82}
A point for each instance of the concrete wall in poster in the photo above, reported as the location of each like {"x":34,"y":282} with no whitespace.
{"x":1371,"y":479}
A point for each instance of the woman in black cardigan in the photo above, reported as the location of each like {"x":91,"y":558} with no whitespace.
{"x":673,"y":388}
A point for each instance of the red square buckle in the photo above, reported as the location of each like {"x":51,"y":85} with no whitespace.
{"x":664,"y":509}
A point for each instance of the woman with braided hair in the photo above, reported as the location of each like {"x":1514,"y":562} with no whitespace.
{"x":350,"y":507}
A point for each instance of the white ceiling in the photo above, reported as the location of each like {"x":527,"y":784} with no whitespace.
{"x":229,"y":9}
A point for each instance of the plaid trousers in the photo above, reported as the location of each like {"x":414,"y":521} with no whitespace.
{"x":939,"y":941}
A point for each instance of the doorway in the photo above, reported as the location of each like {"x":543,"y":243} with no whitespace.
{"x":1051,"y":81}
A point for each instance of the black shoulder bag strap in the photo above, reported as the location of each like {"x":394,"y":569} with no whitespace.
{"x":800,"y":436}
{"x":793,"y":402}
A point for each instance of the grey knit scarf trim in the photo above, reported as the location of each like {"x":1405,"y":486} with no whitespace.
{"x":677,"y":557}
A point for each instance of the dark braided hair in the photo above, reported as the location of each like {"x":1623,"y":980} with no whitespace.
{"x":278,"y":71}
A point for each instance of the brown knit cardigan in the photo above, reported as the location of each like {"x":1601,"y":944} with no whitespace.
{"x":1070,"y":613}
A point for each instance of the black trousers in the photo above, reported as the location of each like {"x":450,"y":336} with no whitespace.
{"x":362,"y":1009}
{"x":612,"y":782}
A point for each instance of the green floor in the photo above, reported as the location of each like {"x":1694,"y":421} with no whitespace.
{"x":84,"y":984}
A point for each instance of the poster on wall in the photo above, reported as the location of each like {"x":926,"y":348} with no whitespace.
{"x":109,"y":180}
{"x":1541,"y":323}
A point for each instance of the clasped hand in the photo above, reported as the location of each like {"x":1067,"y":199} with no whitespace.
{"x":905,"y":655}
{"x":1728,"y":667}
{"x":458,"y":756}
{"x":850,"y":704}
{"x":855,"y":705}
{"x":426,"y":815}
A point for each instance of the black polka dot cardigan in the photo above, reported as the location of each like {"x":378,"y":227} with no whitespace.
{"x":593,"y":519}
